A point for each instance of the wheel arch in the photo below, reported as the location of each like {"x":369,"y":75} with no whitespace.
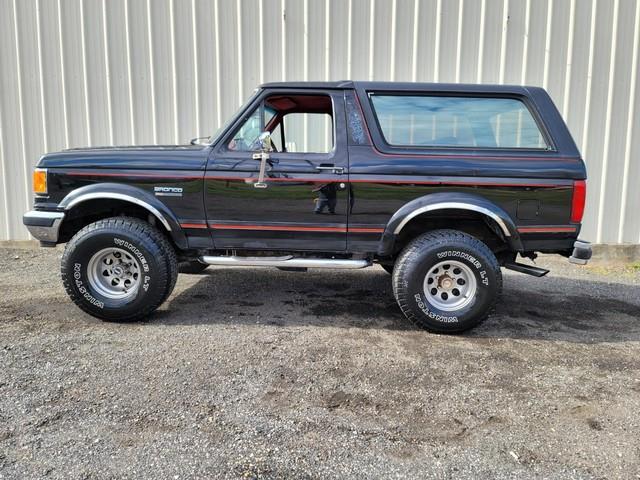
{"x":126,"y":195}
{"x":449,"y":201}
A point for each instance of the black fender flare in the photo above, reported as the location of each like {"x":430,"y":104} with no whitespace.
{"x":447,"y":201}
{"x":133,"y":195}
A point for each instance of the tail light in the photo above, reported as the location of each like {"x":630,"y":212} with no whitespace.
{"x":579,"y":197}
{"x":40,"y":181}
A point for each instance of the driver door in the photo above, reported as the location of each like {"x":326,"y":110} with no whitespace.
{"x":304,"y":200}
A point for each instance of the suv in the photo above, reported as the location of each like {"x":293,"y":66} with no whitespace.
{"x":440,"y":184}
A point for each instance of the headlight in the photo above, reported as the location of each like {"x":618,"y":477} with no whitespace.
{"x":40,"y":181}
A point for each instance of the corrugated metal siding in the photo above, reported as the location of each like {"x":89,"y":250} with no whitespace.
{"x":96,"y":72}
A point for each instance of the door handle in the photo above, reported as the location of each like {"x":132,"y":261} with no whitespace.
{"x":332,"y":169}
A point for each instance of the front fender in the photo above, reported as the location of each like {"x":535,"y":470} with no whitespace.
{"x":131,"y":194}
{"x":447,"y":201}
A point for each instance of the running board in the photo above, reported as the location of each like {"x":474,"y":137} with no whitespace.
{"x":528,"y":269}
{"x":287,"y":261}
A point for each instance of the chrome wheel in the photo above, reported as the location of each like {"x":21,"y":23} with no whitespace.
{"x":450,"y":285}
{"x":114,"y":273}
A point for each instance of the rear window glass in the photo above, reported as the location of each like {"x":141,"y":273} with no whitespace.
{"x":456,"y":121}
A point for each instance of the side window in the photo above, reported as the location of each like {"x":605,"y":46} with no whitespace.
{"x":308,"y":132}
{"x":517,"y":128}
{"x":456,"y":121}
{"x":297,"y":123}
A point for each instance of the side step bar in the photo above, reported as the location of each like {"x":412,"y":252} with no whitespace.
{"x":287,"y":261}
{"x":528,"y":269}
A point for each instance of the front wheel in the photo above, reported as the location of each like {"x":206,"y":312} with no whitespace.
{"x":119,"y":269}
{"x":447,"y":281}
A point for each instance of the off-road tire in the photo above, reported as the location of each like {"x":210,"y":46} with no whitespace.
{"x":192,"y":267}
{"x":421,"y":256}
{"x":153,"y":252}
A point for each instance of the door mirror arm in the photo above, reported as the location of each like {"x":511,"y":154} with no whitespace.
{"x":264,"y":141}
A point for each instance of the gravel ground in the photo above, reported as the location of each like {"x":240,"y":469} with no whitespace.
{"x":266,"y":374}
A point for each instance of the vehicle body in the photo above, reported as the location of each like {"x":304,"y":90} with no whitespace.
{"x":348,"y":174}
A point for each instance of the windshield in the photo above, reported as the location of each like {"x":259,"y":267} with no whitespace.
{"x":216,"y":136}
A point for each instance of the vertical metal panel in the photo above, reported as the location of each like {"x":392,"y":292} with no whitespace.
{"x":140,"y":71}
{"x":360,"y":31}
{"x":597,"y":121}
{"x":78,"y":72}
{"x":95,"y":82}
{"x":447,"y":45}
{"x":577,"y":86}
{"x":400,"y":69}
{"x":206,"y":61}
{"x":185,"y":95}
{"x":467,"y":64}
{"x":28,"y":80}
{"x":629,"y":220}
{"x":12,"y":115}
{"x":316,"y":45}
{"x":338,"y":39}
{"x":615,"y":137}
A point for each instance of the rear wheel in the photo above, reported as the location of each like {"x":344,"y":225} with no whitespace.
{"x":447,"y":281}
{"x":119,"y":269}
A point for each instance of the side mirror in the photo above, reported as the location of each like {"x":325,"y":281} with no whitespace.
{"x":264,"y":142}
{"x":201,"y":141}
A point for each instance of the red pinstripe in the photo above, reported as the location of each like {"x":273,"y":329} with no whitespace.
{"x":151,"y":175}
{"x":546,"y":229}
{"x":395,"y":182}
{"x":319,"y":180}
{"x":193,"y":225}
{"x":284,"y":228}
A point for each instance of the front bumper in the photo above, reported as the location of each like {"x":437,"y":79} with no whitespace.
{"x":44,"y":226}
{"x":581,"y":252}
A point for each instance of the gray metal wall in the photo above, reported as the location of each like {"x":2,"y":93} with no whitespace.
{"x":94,"y":72}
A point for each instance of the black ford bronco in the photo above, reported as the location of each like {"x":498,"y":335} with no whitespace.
{"x":442,"y":185}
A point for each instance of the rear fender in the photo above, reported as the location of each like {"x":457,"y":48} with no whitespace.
{"x":448,"y":201}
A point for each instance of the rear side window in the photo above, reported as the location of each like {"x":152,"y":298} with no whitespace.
{"x":456,"y":121}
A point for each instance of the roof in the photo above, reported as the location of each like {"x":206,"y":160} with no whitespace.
{"x":408,"y":86}
{"x":342,"y":84}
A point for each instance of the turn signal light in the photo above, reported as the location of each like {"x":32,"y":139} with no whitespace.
{"x":579,"y":198}
{"x":40,"y":181}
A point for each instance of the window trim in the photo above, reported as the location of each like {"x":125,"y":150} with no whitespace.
{"x":380,"y":140}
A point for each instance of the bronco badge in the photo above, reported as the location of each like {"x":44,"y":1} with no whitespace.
{"x":168,"y":191}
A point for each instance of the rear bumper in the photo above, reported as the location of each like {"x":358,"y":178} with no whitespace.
{"x":44,"y":226}
{"x":581,"y":252}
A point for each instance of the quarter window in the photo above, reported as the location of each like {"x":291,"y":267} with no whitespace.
{"x":456,"y":121}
